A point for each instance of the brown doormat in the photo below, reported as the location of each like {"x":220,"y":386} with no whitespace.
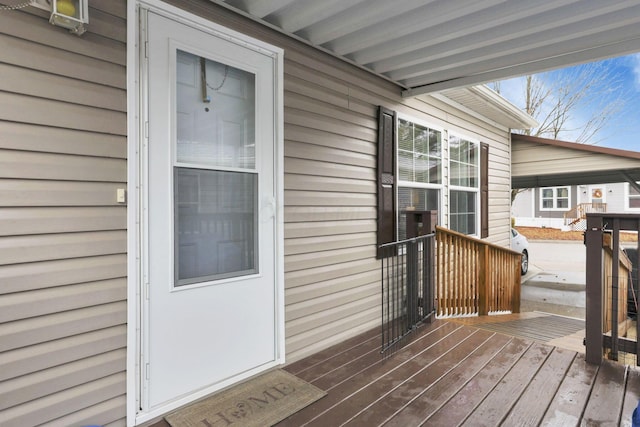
{"x":262,"y":401}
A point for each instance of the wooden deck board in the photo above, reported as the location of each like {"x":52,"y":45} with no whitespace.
{"x":500,"y":380}
{"x":423,"y":370}
{"x":495,"y":407}
{"x":347,"y":382}
{"x":452,"y":374}
{"x":462,"y":404}
{"x":429,"y":385}
{"x":631,"y":397}
{"x":605,"y":403}
{"x":533,"y":403}
{"x":352,"y":345}
{"x":572,"y":395}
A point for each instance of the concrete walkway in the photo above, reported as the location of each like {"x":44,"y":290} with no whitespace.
{"x":555,"y":282}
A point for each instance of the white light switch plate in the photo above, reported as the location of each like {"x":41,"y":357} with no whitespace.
{"x":121,"y":195}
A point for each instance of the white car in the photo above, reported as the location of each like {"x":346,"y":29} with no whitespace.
{"x":519,"y":243}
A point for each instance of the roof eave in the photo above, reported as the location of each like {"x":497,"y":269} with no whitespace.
{"x":578,"y":146}
{"x":500,"y":112}
{"x":510,"y":110}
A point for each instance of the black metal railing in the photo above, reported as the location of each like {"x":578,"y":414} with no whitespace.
{"x":611,"y":287}
{"x":408,"y":291}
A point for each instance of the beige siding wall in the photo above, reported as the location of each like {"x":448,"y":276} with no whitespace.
{"x":62,"y":235}
{"x":332,"y":278}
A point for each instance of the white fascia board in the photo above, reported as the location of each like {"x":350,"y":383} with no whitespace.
{"x":505,"y":106}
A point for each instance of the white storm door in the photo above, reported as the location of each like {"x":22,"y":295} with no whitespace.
{"x":210,"y":316}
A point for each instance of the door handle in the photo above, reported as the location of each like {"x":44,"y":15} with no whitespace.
{"x":268,"y":208}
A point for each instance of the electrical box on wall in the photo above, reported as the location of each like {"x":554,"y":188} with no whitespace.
{"x":70,"y":14}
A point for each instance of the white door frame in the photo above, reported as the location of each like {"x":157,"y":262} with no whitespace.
{"x":136,"y":133}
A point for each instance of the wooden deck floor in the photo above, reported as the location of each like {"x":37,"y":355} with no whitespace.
{"x":452,"y":374}
{"x":559,"y":331}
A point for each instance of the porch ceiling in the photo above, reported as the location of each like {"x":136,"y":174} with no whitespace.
{"x":431,"y":45}
{"x":576,"y":178}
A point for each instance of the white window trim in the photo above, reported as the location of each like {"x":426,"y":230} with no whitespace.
{"x":555,"y":199}
{"x":444,"y":154}
{"x":626,"y":199}
{"x":467,"y":189}
{"x":444,"y":187}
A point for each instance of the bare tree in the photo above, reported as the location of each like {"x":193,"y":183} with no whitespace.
{"x":573,"y":104}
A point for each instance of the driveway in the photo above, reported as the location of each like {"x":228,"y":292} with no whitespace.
{"x":556,"y":279}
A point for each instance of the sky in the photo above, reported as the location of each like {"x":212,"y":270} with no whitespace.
{"x":618,"y":83}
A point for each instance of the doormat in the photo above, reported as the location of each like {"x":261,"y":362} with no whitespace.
{"x":260,"y":402}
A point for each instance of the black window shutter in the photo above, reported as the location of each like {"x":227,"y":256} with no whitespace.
{"x":484,"y":189}
{"x":386,"y":177}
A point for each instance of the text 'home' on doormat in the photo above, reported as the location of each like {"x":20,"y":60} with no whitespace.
{"x":259,"y":402}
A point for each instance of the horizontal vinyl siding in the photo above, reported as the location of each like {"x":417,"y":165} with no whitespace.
{"x":63,"y":238}
{"x":329,"y":162}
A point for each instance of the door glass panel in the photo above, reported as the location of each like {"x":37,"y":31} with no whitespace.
{"x":215,"y":225}
{"x":215,"y":113}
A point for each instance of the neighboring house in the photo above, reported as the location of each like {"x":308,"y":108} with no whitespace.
{"x":558,"y":207}
{"x":597,"y":184}
{"x":247,"y":234}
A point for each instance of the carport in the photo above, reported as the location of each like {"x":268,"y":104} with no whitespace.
{"x":540,"y":162}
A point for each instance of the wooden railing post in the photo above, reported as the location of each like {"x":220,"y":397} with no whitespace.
{"x":515,"y":307}
{"x":483,"y":280}
{"x":593,"y":240}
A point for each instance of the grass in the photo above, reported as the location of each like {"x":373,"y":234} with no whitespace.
{"x":539,"y":233}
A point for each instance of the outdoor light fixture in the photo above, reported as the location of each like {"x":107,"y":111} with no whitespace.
{"x":70,"y":14}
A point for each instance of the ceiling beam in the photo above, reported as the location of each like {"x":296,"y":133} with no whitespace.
{"x":502,"y":21}
{"x":301,"y":15}
{"x":260,"y":8}
{"x":355,"y":19}
{"x":392,"y":26}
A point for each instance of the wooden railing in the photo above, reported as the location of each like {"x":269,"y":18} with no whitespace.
{"x":474,"y":276}
{"x":607,"y":282}
{"x":581,"y":210}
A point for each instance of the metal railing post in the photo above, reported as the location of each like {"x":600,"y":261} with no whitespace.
{"x":407,"y":287}
{"x":411,"y":259}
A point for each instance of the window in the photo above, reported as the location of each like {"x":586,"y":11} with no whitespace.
{"x":464,"y":185}
{"x":633,"y":198}
{"x":411,"y":167}
{"x":419,"y":158}
{"x":554,"y":198}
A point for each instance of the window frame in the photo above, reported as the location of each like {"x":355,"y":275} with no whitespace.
{"x":627,"y":196}
{"x":475,"y":190}
{"x":440,"y":187}
{"x":554,"y":199}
